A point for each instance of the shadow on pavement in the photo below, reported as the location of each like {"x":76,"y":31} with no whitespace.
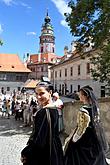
{"x":10,"y":127}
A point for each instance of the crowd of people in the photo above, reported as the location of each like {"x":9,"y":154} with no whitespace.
{"x":25,"y":110}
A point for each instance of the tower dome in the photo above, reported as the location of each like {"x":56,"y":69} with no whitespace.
{"x":47,"y":18}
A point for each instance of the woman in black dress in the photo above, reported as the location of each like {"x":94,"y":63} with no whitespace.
{"x":44,"y":145}
{"x":87,"y":143}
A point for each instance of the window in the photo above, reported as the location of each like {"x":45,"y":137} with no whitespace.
{"x":60,"y":73}
{"x":19,"y":78}
{"x":33,"y":69}
{"x":53,"y":50}
{"x":66,"y":90}
{"x":60,"y":87}
{"x":102,"y":91}
{"x":51,"y":74}
{"x":78,"y":69}
{"x":2,"y":90}
{"x":55,"y":87}
{"x":3,"y":76}
{"x":42,"y":69}
{"x":78,"y":88}
{"x":66,"y":72}
{"x":71,"y":71}
{"x":19,"y":88}
{"x":55,"y":74}
{"x":41,"y":49}
{"x":8,"y":88}
{"x":88,"y":68}
{"x":71,"y":88}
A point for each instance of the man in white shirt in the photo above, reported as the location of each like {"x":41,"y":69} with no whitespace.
{"x":59,"y":104}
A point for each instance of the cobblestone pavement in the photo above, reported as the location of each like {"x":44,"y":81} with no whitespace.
{"x":13,"y":138}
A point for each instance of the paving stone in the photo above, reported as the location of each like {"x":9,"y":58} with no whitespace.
{"x":13,"y":138}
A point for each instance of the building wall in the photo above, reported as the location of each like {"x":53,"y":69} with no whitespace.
{"x":13,"y":76}
{"x":74,"y":80}
{"x":39,"y":70}
{"x":12,"y":86}
{"x":10,"y":81}
{"x":70,"y":114}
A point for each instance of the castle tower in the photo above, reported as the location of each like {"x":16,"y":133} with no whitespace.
{"x":47,"y":39}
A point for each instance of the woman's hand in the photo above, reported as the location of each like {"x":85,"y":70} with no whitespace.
{"x":50,"y":105}
{"x":23,"y":159}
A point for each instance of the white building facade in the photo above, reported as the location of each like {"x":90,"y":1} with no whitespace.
{"x":74,"y":73}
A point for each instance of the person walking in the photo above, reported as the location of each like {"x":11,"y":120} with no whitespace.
{"x":8,"y":108}
{"x":26,"y":113}
{"x":44,"y":145}
{"x":59,"y":104}
{"x":4,"y":108}
{"x":86,"y":145}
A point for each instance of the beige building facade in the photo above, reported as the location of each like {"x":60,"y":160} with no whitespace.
{"x":73,"y":73}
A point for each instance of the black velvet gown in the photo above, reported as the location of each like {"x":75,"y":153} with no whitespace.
{"x":87,"y":150}
{"x":37,"y":150}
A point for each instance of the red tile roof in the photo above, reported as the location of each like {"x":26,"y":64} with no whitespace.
{"x":31,"y":83}
{"x":47,"y":57}
{"x":12,"y":63}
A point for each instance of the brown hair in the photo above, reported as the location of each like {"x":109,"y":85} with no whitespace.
{"x":47,"y":86}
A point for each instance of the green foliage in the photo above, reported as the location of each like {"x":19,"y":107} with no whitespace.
{"x":101,"y":70}
{"x":1,"y":42}
{"x":90,"y":20}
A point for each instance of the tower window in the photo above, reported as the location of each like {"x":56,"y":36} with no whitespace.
{"x":41,"y":49}
{"x":53,"y":50}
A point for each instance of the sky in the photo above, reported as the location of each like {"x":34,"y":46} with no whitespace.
{"x":21,"y":21}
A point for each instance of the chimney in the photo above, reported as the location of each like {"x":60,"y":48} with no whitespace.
{"x":73,"y":45}
{"x":65,"y":51}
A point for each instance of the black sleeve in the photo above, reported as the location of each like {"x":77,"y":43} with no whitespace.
{"x":39,"y":134}
{"x":41,"y":128}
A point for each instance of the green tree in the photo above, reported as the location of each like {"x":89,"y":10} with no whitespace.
{"x":1,"y":42}
{"x":90,"y":20}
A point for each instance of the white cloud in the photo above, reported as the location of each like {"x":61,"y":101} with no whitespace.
{"x":15,"y":2}
{"x":62,"y":7}
{"x":30,"y":33}
{"x":64,"y":23}
{"x":8,"y":2}
{"x":1,"y":29}
{"x":25,"y":5}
